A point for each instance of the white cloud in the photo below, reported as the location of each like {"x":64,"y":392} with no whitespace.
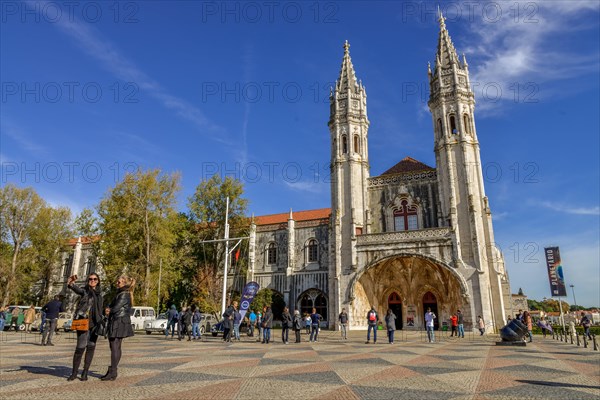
{"x":307,"y":186}
{"x":570,"y":209}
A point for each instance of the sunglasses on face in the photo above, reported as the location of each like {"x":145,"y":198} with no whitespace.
{"x":92,"y":279}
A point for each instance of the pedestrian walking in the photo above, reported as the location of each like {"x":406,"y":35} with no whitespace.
{"x":298,"y":322}
{"x":29,"y":318}
{"x":286,"y":324}
{"x":315,"y":319}
{"x":52,"y":309}
{"x":454,"y":324}
{"x":196,"y":319}
{"x":119,"y":323}
{"x":372,"y":321}
{"x":429,"y":325}
{"x":15,"y":318}
{"x":343,"y":319}
{"x":237,"y":321}
{"x":461,"y":326}
{"x":187,"y":323}
{"x":481,"y":324}
{"x":267,"y":324}
{"x":251,"y":323}
{"x":307,"y":323}
{"x":390,"y":323}
{"x":529,"y":323}
{"x":89,"y":311}
{"x":228,"y":323}
{"x":259,"y":319}
{"x":586,"y":324}
{"x":172,"y":318}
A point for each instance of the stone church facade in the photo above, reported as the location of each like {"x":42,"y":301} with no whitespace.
{"x":411,"y":238}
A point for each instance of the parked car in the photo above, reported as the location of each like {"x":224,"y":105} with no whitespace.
{"x":140,"y":315}
{"x":160,"y":324}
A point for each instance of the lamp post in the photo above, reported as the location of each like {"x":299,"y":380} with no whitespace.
{"x":574,"y":301}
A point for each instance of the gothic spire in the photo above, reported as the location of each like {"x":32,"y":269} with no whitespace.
{"x":347,"y":76}
{"x":446,"y":53}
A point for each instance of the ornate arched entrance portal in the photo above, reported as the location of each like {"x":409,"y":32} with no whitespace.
{"x":430,"y":302}
{"x":407,"y":284}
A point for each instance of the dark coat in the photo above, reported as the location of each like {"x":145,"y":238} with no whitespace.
{"x":298,"y":322}
{"x":90,"y":303}
{"x":376,"y":317}
{"x":228,"y":318}
{"x":268,"y":319}
{"x":119,"y":319}
{"x":286,"y":320}
{"x":52,"y":309}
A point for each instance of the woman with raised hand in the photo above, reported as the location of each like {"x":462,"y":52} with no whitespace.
{"x":119,"y":323}
{"x":88,"y":308}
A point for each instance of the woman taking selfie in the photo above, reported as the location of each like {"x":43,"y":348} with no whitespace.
{"x":119,"y":323}
{"x":86,"y":320}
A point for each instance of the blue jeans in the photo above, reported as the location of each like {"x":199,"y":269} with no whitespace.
{"x":391,"y":335}
{"x":236,"y":331}
{"x":461,"y":330}
{"x":374,"y":327}
{"x":196,"y":330}
{"x":1,"y":324}
{"x":266,"y":334}
{"x":170,"y":324}
{"x":430,"y":334}
{"x":314,"y":332}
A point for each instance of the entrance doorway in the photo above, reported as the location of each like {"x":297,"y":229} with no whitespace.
{"x":395,"y":304}
{"x":429,"y":301}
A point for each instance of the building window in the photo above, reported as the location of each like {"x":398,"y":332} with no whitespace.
{"x":440,"y":127}
{"x":272,"y":254}
{"x":453,"y":125}
{"x":312,"y":251}
{"x":344,"y":144}
{"x":466,"y":123}
{"x":91,"y":265}
{"x":406,"y":217}
{"x":68,"y":267}
{"x":356,"y":144}
{"x":313,"y":298}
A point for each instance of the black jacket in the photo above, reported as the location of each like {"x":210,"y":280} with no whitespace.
{"x":52,"y":309}
{"x":90,"y":304}
{"x":286,"y":320}
{"x":268,"y":319}
{"x":119,"y":319}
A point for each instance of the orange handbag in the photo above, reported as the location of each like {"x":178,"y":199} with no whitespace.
{"x":81,"y":325}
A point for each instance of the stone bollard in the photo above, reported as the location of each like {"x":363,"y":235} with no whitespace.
{"x":584,"y":341}
{"x":595,"y":342}
{"x":561,"y":335}
{"x":577,"y":337}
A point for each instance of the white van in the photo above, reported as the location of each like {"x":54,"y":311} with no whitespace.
{"x":141,"y":314}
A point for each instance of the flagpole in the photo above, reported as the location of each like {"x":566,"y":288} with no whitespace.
{"x":226,"y":257}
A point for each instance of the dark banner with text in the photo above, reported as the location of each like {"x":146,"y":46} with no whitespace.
{"x":248,"y":294}
{"x":555,"y":272}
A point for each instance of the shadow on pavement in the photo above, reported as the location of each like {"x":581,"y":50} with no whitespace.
{"x":52,"y":370}
{"x":557,"y":384}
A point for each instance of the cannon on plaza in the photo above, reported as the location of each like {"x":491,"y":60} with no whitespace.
{"x":513,"y":333}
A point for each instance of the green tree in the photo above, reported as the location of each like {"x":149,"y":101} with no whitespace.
{"x":18,"y":211}
{"x":51,"y":229}
{"x":207,"y":207}
{"x":137,"y":220}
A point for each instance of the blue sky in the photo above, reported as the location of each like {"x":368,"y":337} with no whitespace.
{"x":91,"y":90}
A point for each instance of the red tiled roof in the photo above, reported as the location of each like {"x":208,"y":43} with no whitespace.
{"x":408,"y":164}
{"x":307,"y":215}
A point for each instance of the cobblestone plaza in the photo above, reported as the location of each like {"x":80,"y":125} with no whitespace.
{"x":157,"y":368}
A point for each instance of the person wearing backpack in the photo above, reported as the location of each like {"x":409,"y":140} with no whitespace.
{"x":298,"y":321}
{"x":586,"y":323}
{"x":372,"y":320}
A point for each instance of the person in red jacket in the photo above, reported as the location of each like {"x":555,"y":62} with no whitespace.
{"x":454,"y":323}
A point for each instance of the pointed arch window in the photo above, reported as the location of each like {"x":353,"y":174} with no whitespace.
{"x":356,"y":144}
{"x":272,"y":253}
{"x":453,"y":129}
{"x":440,"y":127}
{"x":406,"y":217}
{"x":312,"y":251}
{"x":344,"y":145}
